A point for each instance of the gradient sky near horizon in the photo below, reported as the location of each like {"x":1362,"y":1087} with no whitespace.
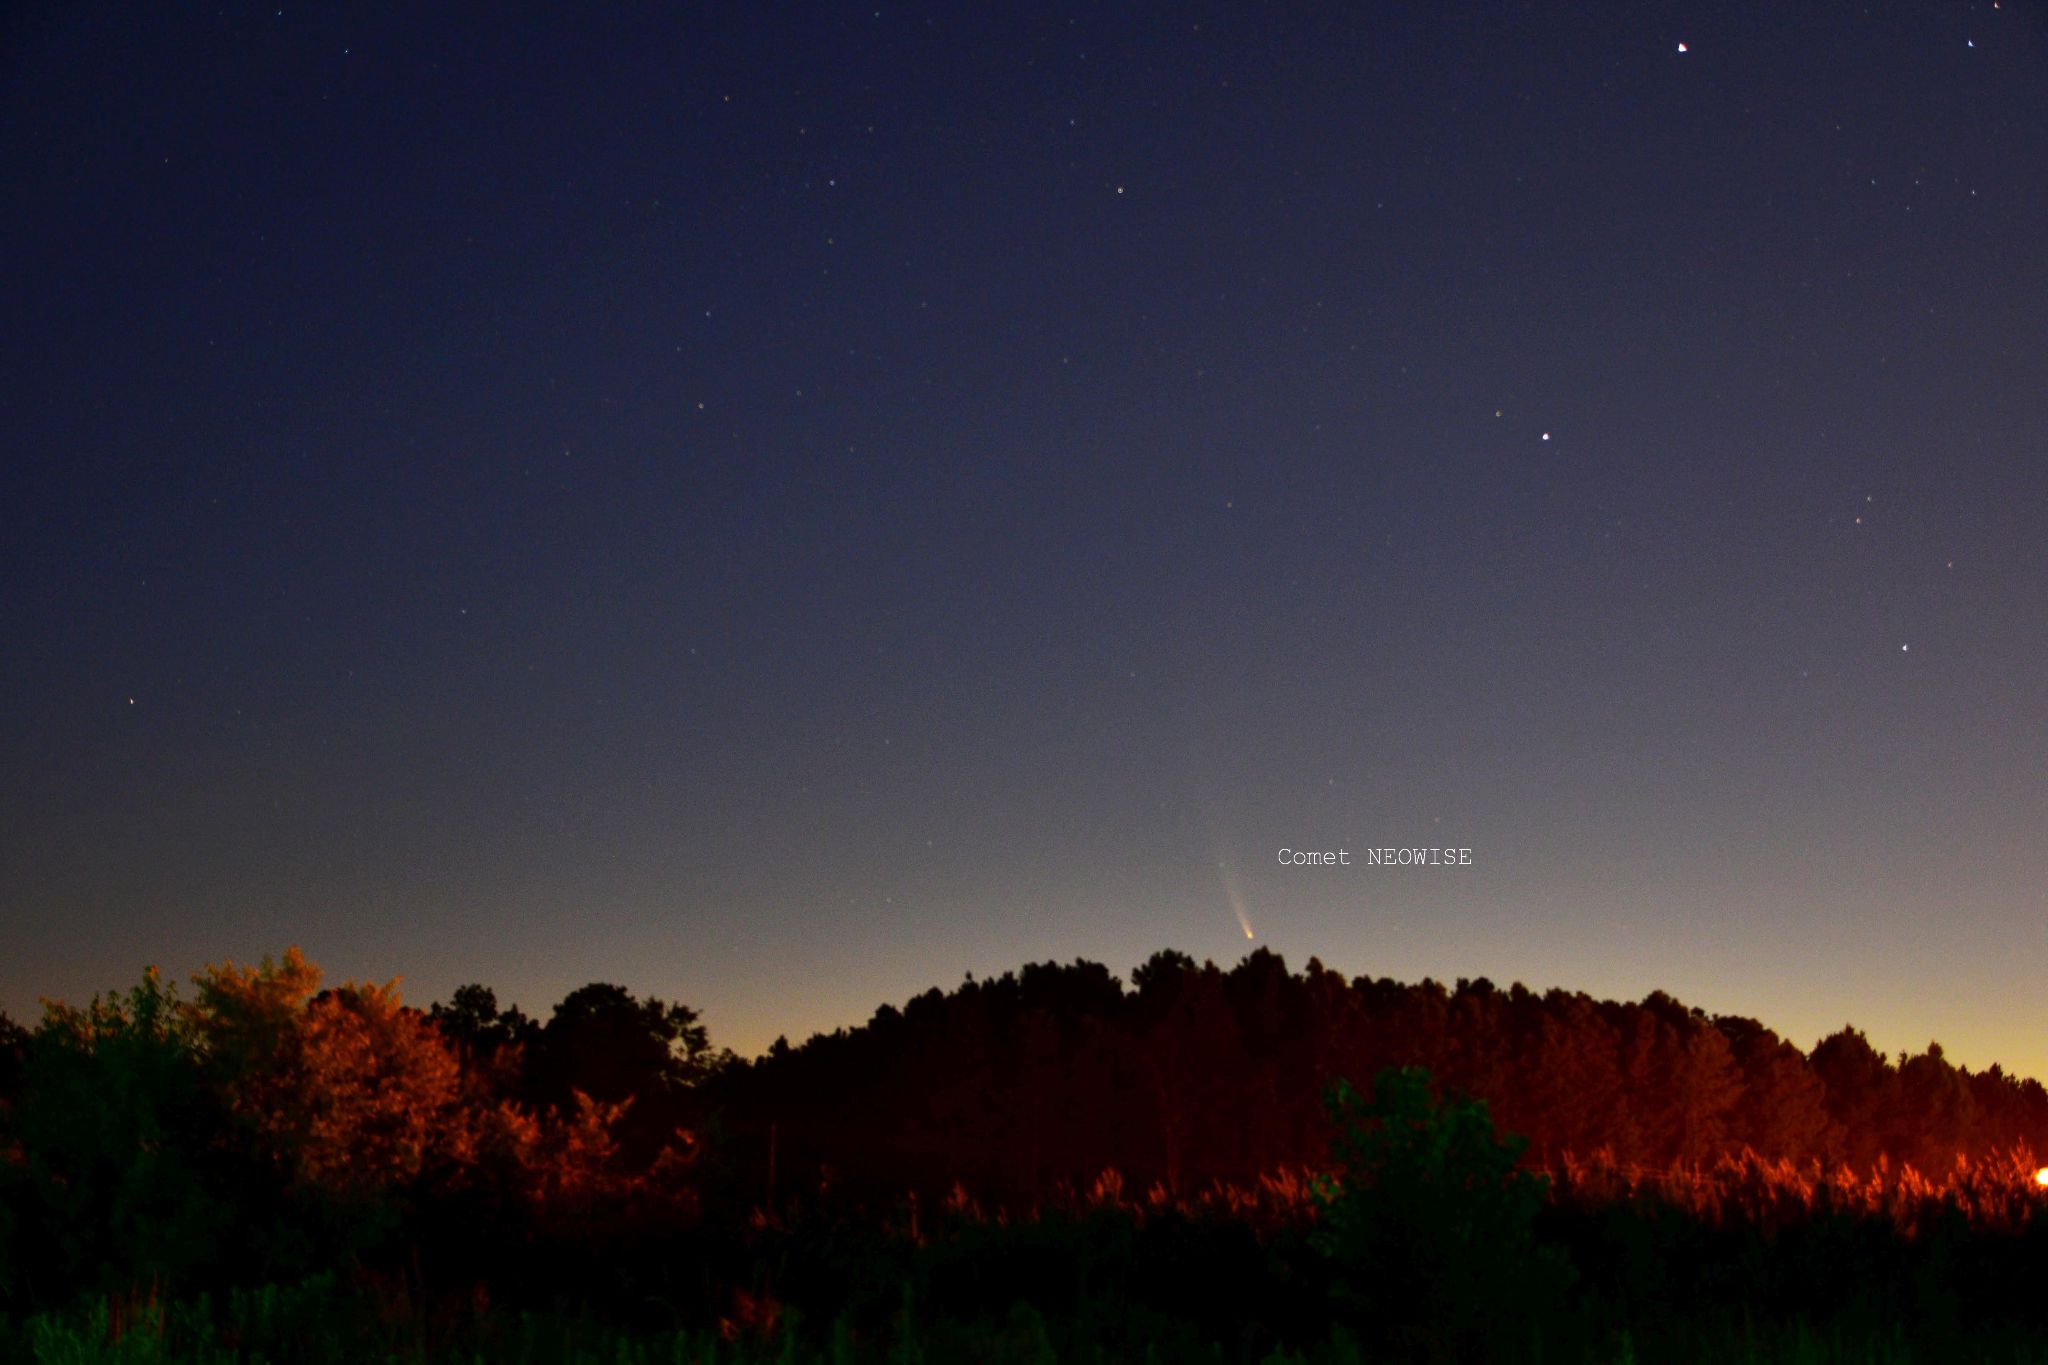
{"x":779,"y":507}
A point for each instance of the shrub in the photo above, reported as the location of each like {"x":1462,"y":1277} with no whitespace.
{"x":1430,"y":1225}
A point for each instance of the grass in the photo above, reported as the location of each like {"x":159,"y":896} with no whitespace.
{"x":322,"y":1323}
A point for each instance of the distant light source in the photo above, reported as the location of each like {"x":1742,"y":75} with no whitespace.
{"x":2041,"y":1177}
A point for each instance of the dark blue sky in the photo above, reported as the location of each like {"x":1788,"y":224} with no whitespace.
{"x":779,"y":509}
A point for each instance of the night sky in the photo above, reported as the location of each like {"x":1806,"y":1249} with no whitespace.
{"x":779,"y":507}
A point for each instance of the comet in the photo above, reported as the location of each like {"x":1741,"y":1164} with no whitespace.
{"x":1236,"y":899}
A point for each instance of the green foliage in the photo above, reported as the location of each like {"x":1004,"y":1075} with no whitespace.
{"x":13,"y":1055}
{"x":317,"y":1323}
{"x":1431,"y":1226}
{"x":112,"y":1186}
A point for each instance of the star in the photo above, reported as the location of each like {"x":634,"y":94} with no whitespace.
{"x":1681,"y":47}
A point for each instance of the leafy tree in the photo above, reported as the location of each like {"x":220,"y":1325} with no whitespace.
{"x":646,"y":1055}
{"x":346,"y":1090}
{"x":111,"y":1185}
{"x":1567,"y":1091}
{"x":1859,"y":1086}
{"x":1191,"y":1057}
{"x":1783,"y":1106}
{"x":1161,"y":969}
{"x":247,"y":1021}
{"x":1682,"y":1081}
{"x":1430,"y":1225}
{"x":473,"y":1021}
{"x":13,"y":1059}
{"x":384,"y":1090}
{"x":1934,"y":1113}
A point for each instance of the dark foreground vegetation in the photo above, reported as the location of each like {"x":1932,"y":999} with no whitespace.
{"x":1044,"y":1167}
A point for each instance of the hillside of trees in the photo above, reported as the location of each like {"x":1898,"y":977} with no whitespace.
{"x":1193,"y":1073}
{"x":1056,"y":1072}
{"x":1169,"y":1142}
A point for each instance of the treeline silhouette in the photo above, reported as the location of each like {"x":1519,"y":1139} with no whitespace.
{"x":266,"y":1129}
{"x":1195,"y":1073}
{"x":1046,"y":1156}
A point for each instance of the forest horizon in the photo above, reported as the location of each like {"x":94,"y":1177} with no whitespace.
{"x":1651,"y":1083}
{"x":343,"y":1167}
{"x":750,"y":1023}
